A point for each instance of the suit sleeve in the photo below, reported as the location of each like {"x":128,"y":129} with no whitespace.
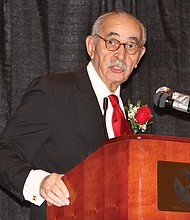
{"x":26,"y":132}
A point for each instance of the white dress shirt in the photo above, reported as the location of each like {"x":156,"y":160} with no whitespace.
{"x":35,"y":177}
{"x":101,"y":92}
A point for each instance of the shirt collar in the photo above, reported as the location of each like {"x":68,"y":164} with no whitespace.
{"x":98,"y":85}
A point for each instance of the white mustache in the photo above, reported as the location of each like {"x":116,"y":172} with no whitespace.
{"x":118,"y":63}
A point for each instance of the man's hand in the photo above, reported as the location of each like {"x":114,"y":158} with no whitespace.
{"x":54,"y":191}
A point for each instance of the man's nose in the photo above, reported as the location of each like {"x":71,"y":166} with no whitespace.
{"x":121,"y":52}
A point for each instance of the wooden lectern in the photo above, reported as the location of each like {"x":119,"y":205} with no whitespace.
{"x":136,"y":177}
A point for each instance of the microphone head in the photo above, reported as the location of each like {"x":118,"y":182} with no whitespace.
{"x":165,"y":89}
{"x":161,"y":99}
{"x":166,"y":98}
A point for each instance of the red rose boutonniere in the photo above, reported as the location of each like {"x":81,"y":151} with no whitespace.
{"x":139,"y":116}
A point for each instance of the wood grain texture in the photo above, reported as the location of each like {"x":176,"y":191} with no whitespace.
{"x":119,"y":180}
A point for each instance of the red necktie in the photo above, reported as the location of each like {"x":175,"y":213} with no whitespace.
{"x":119,"y":123}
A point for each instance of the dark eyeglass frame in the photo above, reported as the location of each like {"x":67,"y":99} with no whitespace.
{"x":138,"y":46}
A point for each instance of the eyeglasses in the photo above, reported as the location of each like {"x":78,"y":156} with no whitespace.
{"x":113,"y":44}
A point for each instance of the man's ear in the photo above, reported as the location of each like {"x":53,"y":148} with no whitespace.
{"x":90,"y":47}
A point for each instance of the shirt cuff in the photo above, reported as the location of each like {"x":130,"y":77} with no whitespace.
{"x":31,"y":189}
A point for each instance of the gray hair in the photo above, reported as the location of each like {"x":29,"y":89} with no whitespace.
{"x":97,"y":23}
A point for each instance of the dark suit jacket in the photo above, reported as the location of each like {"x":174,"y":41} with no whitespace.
{"x":58,"y":124}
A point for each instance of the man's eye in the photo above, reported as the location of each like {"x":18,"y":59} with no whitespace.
{"x":112,"y":42}
{"x":131,"y":45}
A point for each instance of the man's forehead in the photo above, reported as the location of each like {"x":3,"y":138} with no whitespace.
{"x":125,"y":27}
{"x":115,"y":34}
{"x":113,"y":22}
{"x":119,"y":18}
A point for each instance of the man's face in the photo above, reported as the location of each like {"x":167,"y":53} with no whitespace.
{"x":108,"y":63}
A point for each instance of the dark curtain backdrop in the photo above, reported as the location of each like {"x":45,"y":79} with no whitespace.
{"x":38,"y":37}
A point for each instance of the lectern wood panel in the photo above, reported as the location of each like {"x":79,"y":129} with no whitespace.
{"x":119,"y":181}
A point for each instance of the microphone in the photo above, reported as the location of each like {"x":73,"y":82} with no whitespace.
{"x":166,"y":98}
{"x":105,"y":107}
{"x":175,"y":95}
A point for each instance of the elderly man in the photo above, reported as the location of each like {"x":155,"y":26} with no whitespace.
{"x":60,"y":120}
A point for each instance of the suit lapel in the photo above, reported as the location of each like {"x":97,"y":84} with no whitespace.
{"x":89,"y":113}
